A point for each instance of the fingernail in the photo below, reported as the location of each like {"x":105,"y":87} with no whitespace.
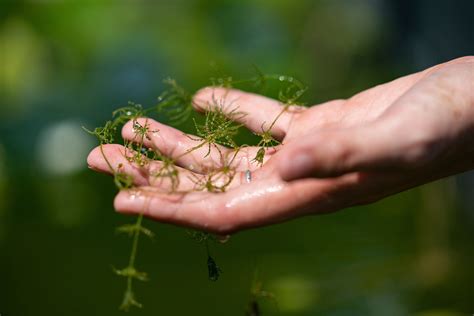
{"x":297,"y":167}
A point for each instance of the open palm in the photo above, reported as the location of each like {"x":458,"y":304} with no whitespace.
{"x":334,"y":155}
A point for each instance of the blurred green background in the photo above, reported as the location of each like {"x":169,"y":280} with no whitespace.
{"x":65,"y":64}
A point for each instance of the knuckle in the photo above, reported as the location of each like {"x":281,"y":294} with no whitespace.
{"x":343,"y":152}
{"x":338,"y":154}
{"x":241,"y":97}
{"x":204,"y":92}
{"x":421,"y":147}
{"x":203,"y":98}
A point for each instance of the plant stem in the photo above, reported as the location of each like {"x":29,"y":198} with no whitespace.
{"x":136,"y":236}
{"x":106,"y":159}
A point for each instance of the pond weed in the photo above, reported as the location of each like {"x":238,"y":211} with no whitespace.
{"x":217,"y":134}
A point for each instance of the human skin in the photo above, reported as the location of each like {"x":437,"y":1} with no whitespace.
{"x":335,"y":155}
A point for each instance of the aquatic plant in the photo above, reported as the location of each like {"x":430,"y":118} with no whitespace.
{"x":257,"y":293}
{"x":218,"y":130}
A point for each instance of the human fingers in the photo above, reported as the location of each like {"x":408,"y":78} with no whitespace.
{"x":190,"y":151}
{"x":114,"y":158}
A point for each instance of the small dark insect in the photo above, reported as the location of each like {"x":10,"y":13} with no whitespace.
{"x":213,"y":269}
{"x":253,"y":309}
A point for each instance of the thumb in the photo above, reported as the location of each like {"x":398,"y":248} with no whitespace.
{"x":336,"y":152}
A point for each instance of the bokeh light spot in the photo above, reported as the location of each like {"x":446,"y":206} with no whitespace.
{"x":62,"y":148}
{"x":294,"y":293}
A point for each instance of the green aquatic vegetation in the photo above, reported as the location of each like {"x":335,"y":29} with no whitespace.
{"x":257,"y":293}
{"x":290,"y":92}
{"x":130,"y":112}
{"x":219,"y":179}
{"x":175,"y":102}
{"x":136,"y":151}
{"x":105,"y":134}
{"x":130,"y":273}
{"x":290,"y":89}
{"x":288,"y":95}
{"x":167,"y":170}
{"x":206,"y":183}
{"x":131,"y":229}
{"x":266,"y":141}
{"x":124,"y":181}
{"x":217,"y":130}
{"x":215,"y":181}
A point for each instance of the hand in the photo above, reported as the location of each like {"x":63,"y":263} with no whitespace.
{"x":335,"y":155}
